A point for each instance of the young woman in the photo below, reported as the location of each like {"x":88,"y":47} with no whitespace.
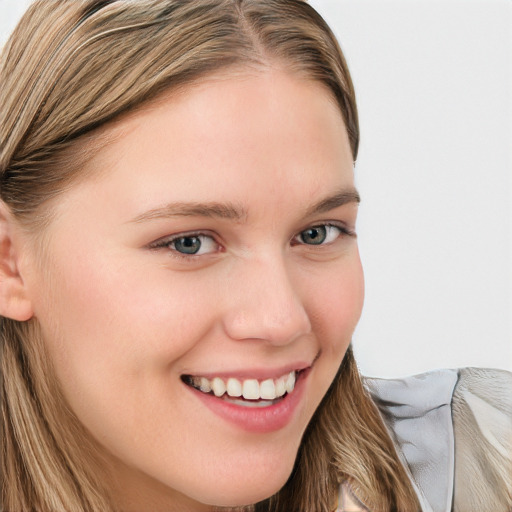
{"x":180,"y":277}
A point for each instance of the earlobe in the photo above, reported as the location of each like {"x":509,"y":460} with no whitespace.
{"x":14,"y":300}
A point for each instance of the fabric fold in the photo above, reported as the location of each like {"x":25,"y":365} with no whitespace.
{"x":417,"y":412}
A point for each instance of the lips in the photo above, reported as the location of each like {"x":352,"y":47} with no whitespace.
{"x":261,"y":400}
{"x":257,"y":414}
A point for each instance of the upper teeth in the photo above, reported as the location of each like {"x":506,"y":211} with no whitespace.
{"x":250,"y":389}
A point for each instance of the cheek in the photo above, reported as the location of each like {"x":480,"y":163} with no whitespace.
{"x":334,"y":309}
{"x":107,"y":328}
{"x":116,"y":340}
{"x":335,"y":303}
{"x":114,"y":308}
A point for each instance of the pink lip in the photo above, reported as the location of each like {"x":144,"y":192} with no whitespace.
{"x":260,"y":419}
{"x":256,"y":373}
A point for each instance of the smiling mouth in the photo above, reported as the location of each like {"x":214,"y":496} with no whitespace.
{"x":246,"y":392}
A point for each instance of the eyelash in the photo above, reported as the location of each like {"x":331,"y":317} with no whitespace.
{"x":167,"y":242}
{"x":343,"y":231}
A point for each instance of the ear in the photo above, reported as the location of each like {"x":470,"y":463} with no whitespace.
{"x":14,"y":300}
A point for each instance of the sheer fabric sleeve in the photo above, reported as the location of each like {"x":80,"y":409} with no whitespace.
{"x":453,"y":431}
{"x":482,"y":422}
{"x":417,"y":412}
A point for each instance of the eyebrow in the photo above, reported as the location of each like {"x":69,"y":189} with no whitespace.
{"x":228,"y":211}
{"x":231,"y":211}
{"x":341,"y":198}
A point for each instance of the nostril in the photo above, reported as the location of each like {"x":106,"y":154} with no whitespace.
{"x":277,"y":328}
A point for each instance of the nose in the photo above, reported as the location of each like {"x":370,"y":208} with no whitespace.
{"x":264,"y":305}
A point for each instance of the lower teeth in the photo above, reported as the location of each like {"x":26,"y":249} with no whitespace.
{"x":250,"y":403}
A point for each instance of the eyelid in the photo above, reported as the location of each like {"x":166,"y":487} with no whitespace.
{"x":342,"y":226}
{"x":166,"y":242}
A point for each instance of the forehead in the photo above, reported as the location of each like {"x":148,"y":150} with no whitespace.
{"x":230,"y":135}
{"x":273,"y":100}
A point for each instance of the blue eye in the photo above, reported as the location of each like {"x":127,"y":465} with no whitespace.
{"x":314,"y":236}
{"x":188,"y":245}
{"x":318,"y":235}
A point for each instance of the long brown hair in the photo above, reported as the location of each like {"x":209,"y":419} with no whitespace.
{"x":72,"y":67}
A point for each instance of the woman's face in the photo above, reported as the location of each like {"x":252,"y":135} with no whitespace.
{"x":214,"y":247}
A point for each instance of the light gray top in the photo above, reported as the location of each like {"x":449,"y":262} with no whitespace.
{"x":453,"y":432}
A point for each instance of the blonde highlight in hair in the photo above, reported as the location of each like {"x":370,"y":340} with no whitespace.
{"x":70,"y":70}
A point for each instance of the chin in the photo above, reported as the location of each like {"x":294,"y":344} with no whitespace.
{"x":249,"y":486}
{"x":240,"y":495}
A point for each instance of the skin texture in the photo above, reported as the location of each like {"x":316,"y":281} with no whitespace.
{"x":124,"y":317}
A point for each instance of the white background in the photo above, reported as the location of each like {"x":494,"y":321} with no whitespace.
{"x":434,"y":86}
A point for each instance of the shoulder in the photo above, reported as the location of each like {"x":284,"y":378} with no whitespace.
{"x":453,"y":431}
{"x":482,"y":424}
